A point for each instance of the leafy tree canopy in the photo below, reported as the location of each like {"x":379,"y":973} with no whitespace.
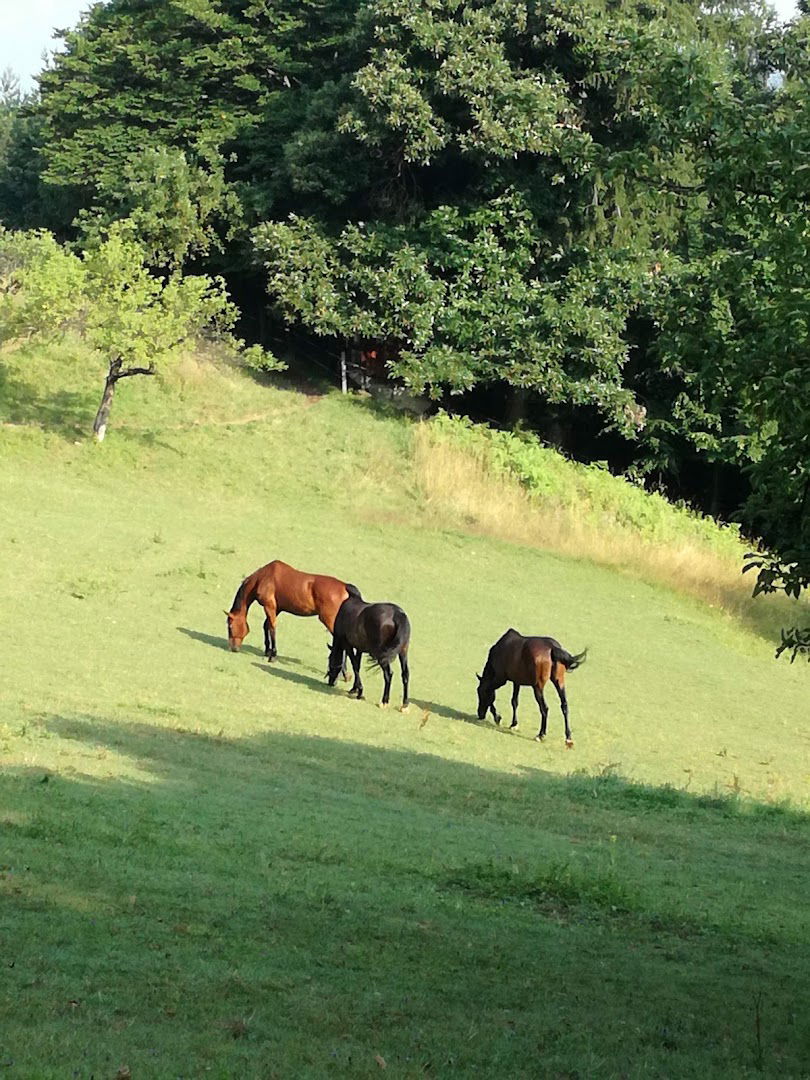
{"x":603,"y":201}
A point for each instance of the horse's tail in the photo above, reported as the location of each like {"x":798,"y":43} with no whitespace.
{"x":352,"y":590}
{"x":397,"y":644}
{"x":561,"y":656}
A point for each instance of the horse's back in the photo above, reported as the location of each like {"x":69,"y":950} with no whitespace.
{"x":273,"y":569}
{"x":327,"y":588}
{"x":328,"y":594}
{"x":505,"y":652}
{"x":299,"y":592}
{"x":542,"y":645}
{"x":391,"y":616}
{"x":519,"y":659}
{"x":371,"y":626}
{"x":380,"y":615}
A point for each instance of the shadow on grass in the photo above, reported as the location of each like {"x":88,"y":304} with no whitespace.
{"x":310,"y":681}
{"x":216,"y":642}
{"x":448,"y":712}
{"x":470,"y":718}
{"x":67,"y":413}
{"x":322,"y":904}
{"x":149,"y":438}
{"x":222,"y":644}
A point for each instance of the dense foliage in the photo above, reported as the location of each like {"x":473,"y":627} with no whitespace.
{"x":602,"y":204}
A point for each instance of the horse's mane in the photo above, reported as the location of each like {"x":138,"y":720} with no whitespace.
{"x":239,"y":599}
{"x":352,"y":590}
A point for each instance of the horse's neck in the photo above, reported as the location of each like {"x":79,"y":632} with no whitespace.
{"x":245,"y":595}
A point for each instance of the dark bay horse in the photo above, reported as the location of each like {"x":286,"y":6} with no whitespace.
{"x":527,"y":661}
{"x":279,"y":587}
{"x":381,"y":630}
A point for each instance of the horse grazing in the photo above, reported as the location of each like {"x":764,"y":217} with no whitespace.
{"x":279,"y":587}
{"x":527,"y":661}
{"x":381,"y":630}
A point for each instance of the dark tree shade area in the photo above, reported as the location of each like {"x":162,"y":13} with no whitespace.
{"x":587,"y":215}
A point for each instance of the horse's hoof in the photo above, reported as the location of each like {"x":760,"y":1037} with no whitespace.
{"x":569,"y":744}
{"x":513,"y":725}
{"x":404,"y":708}
{"x":539,"y":738}
{"x":382,"y":704}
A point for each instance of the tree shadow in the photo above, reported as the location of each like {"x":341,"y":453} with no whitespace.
{"x":325,"y":901}
{"x":68,"y":413}
{"x":146,"y":438}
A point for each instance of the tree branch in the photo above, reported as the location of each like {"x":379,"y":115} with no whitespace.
{"x":134,"y":371}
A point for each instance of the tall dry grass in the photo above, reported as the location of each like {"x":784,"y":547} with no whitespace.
{"x":463,"y":486}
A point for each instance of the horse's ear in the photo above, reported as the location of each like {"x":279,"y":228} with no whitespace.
{"x":224,"y":612}
{"x":479,"y":677}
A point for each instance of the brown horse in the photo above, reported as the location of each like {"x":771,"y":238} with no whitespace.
{"x":279,"y":587}
{"x":527,"y":661}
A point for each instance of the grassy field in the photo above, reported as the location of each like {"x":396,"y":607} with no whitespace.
{"x":212,"y":866}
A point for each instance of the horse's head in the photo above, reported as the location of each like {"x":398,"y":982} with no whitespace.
{"x":486,"y":695}
{"x":336,"y":653}
{"x":238,"y":630}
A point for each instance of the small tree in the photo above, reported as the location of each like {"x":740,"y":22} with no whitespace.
{"x":134,"y":319}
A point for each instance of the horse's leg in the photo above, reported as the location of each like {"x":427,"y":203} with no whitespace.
{"x":357,"y":690}
{"x":270,"y":633}
{"x":406,"y":678}
{"x":495,"y":714}
{"x":559,"y":686}
{"x":515,"y":696}
{"x":387,"y":677}
{"x":541,"y":701}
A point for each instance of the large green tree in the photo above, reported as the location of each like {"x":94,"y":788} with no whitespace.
{"x":598,"y":200}
{"x":241,"y":88}
{"x":535,"y":165}
{"x":736,"y":321}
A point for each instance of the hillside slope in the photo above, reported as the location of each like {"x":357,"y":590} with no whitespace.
{"x":211,"y":474}
{"x":229,"y":866}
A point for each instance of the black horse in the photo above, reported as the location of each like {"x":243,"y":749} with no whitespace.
{"x":526,"y":661}
{"x":381,"y":630}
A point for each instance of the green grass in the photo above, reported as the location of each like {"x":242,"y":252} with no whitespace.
{"x":214,"y":866}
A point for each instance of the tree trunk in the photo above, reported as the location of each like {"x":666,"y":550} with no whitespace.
{"x":517,"y":405}
{"x":115,"y":373}
{"x":100,"y":422}
{"x":714,"y":507}
{"x":262,"y":323}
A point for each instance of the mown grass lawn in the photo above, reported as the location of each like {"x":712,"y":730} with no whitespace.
{"x":214,"y":866}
